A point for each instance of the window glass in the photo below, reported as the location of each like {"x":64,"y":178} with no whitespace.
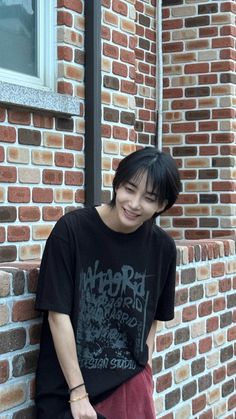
{"x":18,"y":36}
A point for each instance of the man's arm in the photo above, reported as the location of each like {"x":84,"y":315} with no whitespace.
{"x":64,"y":342}
{"x":150,"y":341}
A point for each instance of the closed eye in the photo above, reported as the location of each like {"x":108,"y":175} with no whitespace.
{"x":129,"y":189}
{"x":150,"y":199}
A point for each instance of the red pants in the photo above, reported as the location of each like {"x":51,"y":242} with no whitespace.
{"x":132,"y":400}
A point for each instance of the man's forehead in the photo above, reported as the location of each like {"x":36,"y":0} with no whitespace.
{"x":138,"y":178}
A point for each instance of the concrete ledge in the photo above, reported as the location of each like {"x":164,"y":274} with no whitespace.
{"x":13,"y":94}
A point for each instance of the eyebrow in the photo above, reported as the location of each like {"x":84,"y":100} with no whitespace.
{"x":147,"y":192}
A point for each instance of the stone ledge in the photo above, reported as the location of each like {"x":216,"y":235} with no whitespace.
{"x":43,"y":100}
{"x":206,"y":249}
{"x":188,"y":251}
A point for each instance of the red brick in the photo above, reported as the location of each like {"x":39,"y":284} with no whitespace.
{"x":64,"y":18}
{"x":184,"y":104}
{"x":80,"y":196}
{"x":219,"y":304}
{"x":232,"y":402}
{"x":75,"y":5}
{"x":223,"y":186}
{"x":120,"y":133}
{"x":128,"y":87}
{"x":173,"y":93}
{"x":223,"y":113}
{"x":42,"y":195}
{"x":189,"y":313}
{"x":231,"y":334}
{"x":74,"y":178}
{"x":207,"y":415}
{"x":164,"y":382}
{"x":212,"y":324}
{"x":24,"y":310}
{"x":52,"y":177}
{"x":65,"y":88}
{"x":228,"y":199}
{"x":223,"y":42}
{"x":106,"y":33}
{"x":120,"y":7}
{"x":18,"y":233}
{"x":219,"y":375}
{"x":110,"y":51}
{"x":52,"y":213}
{"x":2,"y":154}
{"x":172,"y":47}
{"x":218,"y":269}
{"x":19,"y":117}
{"x":8,"y":174}
{"x":198,"y":404}
{"x":7,"y":134}
{"x":2,"y":235}
{"x":64,"y":53}
{"x":74,"y":142}
{"x":29,"y":213}
{"x":208,"y":126}
{"x":42,"y":121}
{"x":119,"y":38}
{"x":127,"y":56}
{"x":207,"y":79}
{"x":184,"y":127}
{"x":18,"y":194}
{"x":2,"y":114}
{"x":172,"y":24}
{"x":119,"y":69}
{"x":189,"y":351}
{"x":164,"y":341}
{"x":205,"y":308}
{"x":187,"y":199}
{"x":106,"y":131}
{"x":4,"y":371}
{"x":205,"y":345}
{"x":208,"y":151}
{"x":64,"y":159}
{"x":196,"y":68}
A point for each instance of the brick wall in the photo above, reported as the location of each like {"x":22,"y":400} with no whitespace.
{"x":199,"y":114}
{"x":41,"y":154}
{"x":194,"y":363}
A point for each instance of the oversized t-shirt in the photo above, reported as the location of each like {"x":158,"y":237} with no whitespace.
{"x":112,"y":285}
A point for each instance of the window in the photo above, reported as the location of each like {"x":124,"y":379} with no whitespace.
{"x":27,"y":45}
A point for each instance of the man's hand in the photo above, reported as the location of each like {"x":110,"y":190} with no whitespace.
{"x":82,"y":409}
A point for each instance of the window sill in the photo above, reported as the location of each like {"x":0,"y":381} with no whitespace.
{"x":13,"y":94}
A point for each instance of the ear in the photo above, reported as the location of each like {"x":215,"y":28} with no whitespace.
{"x":163,"y":206}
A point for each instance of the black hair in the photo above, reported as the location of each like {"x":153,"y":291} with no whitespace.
{"x":162,"y":175}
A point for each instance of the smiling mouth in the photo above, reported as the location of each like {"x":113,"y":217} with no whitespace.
{"x":130,"y":215}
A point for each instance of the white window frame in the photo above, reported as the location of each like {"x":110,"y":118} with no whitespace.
{"x":46,"y":47}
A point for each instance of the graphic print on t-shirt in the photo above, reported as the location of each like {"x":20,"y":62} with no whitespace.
{"x":113,"y":306}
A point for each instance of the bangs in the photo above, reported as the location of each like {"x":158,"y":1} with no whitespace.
{"x":163,"y":179}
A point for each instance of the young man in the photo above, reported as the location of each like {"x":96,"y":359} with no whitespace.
{"x":107,"y":275}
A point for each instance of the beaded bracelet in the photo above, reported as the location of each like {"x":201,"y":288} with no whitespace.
{"x":71,"y":389}
{"x":76,"y":399}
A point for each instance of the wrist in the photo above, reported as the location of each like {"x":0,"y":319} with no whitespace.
{"x":78,"y":398}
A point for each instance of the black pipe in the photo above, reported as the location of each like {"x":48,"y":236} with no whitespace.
{"x":93,"y":175}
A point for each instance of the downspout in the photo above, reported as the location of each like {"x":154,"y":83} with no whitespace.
{"x":93,"y":176}
{"x":159,"y":76}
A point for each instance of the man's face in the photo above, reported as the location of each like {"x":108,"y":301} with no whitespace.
{"x":135,"y":204}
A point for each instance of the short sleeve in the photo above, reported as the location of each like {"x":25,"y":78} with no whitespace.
{"x":166,"y":302}
{"x":55,"y":283}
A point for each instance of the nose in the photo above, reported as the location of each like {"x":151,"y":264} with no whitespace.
{"x":135,"y":201}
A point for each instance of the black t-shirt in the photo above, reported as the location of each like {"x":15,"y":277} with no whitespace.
{"x":112,"y":285}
